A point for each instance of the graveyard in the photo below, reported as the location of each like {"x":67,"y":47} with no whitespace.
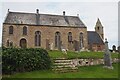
{"x":41,"y":63}
{"x":86,"y":71}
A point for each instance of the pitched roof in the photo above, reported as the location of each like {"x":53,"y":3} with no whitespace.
{"x":94,"y":38}
{"x":43,"y":19}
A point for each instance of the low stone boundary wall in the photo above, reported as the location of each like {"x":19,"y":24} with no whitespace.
{"x":63,"y":65}
{"x":89,"y":62}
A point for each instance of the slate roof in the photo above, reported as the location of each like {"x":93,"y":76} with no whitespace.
{"x":43,"y":19}
{"x":94,"y":38}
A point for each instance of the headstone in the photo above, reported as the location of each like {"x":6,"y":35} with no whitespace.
{"x":51,"y":46}
{"x":76,"y":45}
{"x":107,"y":57}
{"x":114,"y":48}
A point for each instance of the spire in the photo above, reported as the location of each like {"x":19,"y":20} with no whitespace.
{"x":98,"y":21}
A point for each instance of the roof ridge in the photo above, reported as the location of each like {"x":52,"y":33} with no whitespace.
{"x":43,"y":14}
{"x":21,"y":12}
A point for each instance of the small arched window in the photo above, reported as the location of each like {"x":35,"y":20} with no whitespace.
{"x":37,"y":38}
{"x":24,"y":30}
{"x":69,"y":37}
{"x":11,"y":30}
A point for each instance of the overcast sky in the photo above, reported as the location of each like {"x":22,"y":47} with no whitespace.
{"x":88,"y":12}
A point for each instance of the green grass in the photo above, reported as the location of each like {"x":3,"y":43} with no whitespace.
{"x":84,"y":72}
{"x":70,"y":54}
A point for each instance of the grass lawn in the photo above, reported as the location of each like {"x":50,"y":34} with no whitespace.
{"x":84,"y":72}
{"x":70,"y":54}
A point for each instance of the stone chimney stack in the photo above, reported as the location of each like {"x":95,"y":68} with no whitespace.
{"x":37,"y":11}
{"x":63,"y":13}
{"x":8,"y":10}
{"x":37,"y":17}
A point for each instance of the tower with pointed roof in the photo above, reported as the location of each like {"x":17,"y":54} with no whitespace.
{"x":99,"y":28}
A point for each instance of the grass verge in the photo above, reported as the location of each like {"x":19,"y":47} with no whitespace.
{"x":83,"y":72}
{"x":70,"y":54}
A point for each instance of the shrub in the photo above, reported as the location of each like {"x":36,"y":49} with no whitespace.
{"x":22,"y":60}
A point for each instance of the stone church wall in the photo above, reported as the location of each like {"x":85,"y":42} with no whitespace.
{"x":47,"y":32}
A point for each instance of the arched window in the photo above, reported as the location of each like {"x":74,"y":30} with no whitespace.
{"x":69,"y":37}
{"x":11,"y":30}
{"x":23,"y":43}
{"x":24,"y":30}
{"x":37,"y":38}
{"x":81,"y":40}
{"x":57,"y":40}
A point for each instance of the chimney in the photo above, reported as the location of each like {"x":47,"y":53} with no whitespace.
{"x":37,"y":11}
{"x":63,"y":13}
{"x":37,"y":17}
{"x":8,"y":10}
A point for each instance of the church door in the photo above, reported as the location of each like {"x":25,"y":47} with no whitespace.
{"x":23,"y":43}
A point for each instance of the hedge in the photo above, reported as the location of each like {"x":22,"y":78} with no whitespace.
{"x":24,"y":60}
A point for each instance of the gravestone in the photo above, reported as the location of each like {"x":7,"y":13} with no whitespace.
{"x":51,"y":46}
{"x":76,"y":45}
{"x":107,"y":57}
{"x":47,"y":44}
{"x":114,"y":48}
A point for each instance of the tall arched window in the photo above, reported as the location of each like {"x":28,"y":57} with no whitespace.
{"x":11,"y":30}
{"x":81,"y":41}
{"x":24,"y":30}
{"x":69,"y":37}
{"x":37,"y":38}
{"x":57,"y":40}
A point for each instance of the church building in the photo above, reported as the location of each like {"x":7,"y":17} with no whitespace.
{"x":51,"y":32}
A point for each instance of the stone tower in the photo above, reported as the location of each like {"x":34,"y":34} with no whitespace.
{"x":99,"y":29}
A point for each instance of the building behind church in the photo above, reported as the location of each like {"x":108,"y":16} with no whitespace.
{"x":35,"y":30}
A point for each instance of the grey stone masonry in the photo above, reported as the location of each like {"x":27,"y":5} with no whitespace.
{"x":63,"y":65}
